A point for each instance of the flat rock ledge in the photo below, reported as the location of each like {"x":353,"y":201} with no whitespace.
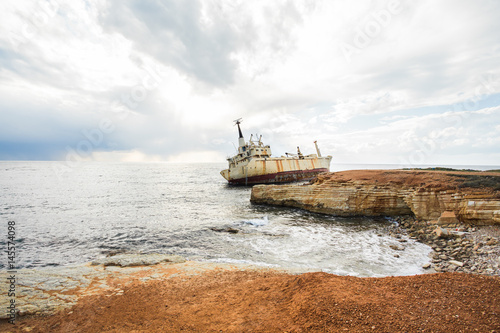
{"x":51,"y":289}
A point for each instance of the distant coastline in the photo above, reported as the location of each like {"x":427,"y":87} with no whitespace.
{"x":360,"y":166}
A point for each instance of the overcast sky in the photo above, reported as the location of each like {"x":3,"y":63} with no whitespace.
{"x":402,"y":82}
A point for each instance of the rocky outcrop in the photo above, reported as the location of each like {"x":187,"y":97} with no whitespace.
{"x":49,"y":290}
{"x":343,"y":199}
{"x":425,"y":194}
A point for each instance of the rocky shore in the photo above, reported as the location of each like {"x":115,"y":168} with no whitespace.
{"x":49,"y":290}
{"x":159,"y":293}
{"x":456,"y":248}
{"x":457,"y":213}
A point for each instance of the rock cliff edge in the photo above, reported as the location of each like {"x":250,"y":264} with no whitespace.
{"x":444,"y":196}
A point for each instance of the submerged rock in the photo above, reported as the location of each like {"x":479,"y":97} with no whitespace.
{"x":126,"y":260}
{"x":396,"y":247}
{"x":226,"y":229}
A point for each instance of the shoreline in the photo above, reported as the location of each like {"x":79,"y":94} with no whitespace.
{"x":456,"y":248}
{"x":455,"y":212}
{"x":459,"y":289}
{"x":49,"y":290}
{"x":181,"y":295}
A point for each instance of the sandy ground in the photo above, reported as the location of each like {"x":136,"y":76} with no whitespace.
{"x":271,"y":301}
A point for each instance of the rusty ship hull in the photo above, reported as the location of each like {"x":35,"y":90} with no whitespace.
{"x":276,"y":170}
{"x":253,"y":164}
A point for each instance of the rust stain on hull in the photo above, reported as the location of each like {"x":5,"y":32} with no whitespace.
{"x":279,"y":164}
{"x":281,"y":177}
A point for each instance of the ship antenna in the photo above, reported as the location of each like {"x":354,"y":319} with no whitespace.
{"x":238,"y":122}
{"x":241,"y":140}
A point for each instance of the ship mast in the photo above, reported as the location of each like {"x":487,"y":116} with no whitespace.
{"x":317,"y":149}
{"x":241,"y":139}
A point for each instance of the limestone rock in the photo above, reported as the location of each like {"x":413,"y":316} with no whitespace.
{"x":456,"y":263}
{"x":447,"y":217}
{"x":441,"y":233}
{"x":427,"y":195}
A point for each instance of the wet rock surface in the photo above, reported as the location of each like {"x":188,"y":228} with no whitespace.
{"x":229,"y":230}
{"x":48,"y":290}
{"x":127,"y":260}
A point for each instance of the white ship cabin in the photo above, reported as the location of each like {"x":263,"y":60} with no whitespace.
{"x":249,"y":150}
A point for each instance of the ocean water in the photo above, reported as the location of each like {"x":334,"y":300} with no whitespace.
{"x":70,"y":215}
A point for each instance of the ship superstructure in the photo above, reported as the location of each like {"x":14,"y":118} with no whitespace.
{"x":253,"y":164}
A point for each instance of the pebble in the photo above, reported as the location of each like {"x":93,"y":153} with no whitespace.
{"x":492,"y":242}
{"x":456,"y":263}
{"x":463,"y":249}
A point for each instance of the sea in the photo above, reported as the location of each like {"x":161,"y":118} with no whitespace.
{"x":72,"y":214}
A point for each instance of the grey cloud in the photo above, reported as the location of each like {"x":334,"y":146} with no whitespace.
{"x":172,"y":32}
{"x":33,"y":65}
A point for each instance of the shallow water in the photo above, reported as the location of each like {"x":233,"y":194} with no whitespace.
{"x":74,"y":215}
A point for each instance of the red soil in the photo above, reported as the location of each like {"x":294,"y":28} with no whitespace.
{"x":267,"y":301}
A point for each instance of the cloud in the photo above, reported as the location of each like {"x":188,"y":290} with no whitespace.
{"x":170,"y":76}
{"x":197,"y":156}
{"x":424,"y":139}
{"x":374,"y":103}
{"x":124,"y":156}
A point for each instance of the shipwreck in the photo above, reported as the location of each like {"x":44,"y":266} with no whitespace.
{"x":253,"y":164}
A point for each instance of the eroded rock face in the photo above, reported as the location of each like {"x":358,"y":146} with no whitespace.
{"x":470,"y":208}
{"x":342,"y":199}
{"x":386,"y":193}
